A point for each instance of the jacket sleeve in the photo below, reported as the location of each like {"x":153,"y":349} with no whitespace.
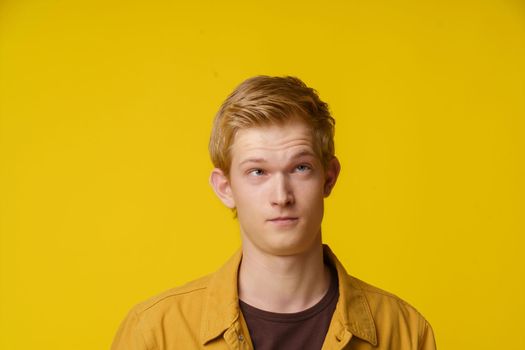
{"x":130,"y":334}
{"x":426,"y":339}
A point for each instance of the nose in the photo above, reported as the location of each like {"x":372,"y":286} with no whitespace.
{"x":282,"y":191}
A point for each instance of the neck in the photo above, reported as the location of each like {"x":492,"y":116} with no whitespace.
{"x":283,"y":284}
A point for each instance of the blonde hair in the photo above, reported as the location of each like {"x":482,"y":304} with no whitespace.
{"x":264,"y":100}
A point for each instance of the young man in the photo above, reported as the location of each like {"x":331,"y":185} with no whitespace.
{"x":273,"y":151}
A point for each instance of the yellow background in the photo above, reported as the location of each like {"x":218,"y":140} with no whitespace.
{"x":105,"y":113}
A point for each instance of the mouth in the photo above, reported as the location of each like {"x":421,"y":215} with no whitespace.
{"x":284,"y":220}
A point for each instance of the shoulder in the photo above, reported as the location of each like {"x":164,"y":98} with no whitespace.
{"x":172,"y":315}
{"x":189,"y":293}
{"x":378,"y":315}
{"x":389,"y":311}
{"x":378,"y":298}
{"x":378,"y":295}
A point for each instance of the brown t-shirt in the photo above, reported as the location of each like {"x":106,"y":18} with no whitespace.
{"x":303,"y":330}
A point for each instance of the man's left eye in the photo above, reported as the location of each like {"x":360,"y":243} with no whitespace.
{"x":302,"y":168}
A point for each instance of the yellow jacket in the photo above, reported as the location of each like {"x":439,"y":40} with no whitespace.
{"x":204,"y":314}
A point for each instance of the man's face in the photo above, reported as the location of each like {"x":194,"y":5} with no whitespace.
{"x":278,"y":185}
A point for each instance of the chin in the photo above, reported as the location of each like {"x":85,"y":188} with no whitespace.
{"x":281,"y":241}
{"x":287,"y":247}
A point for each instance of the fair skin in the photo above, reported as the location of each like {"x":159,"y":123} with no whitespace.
{"x":278,"y":186}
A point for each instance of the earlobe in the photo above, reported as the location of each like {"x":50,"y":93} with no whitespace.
{"x":332,"y":173}
{"x":221,"y":186}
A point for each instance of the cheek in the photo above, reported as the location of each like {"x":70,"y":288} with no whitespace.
{"x":312,"y":192}
{"x":247,"y":198}
{"x":314,"y":201}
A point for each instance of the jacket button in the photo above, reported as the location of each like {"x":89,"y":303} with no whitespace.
{"x":241,"y":337}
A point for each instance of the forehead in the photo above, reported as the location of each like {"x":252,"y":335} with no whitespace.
{"x":282,"y":138}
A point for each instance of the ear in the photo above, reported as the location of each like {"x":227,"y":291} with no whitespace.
{"x":221,"y":185}
{"x":331,"y":174}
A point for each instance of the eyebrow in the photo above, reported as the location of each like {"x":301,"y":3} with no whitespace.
{"x":295,"y":156}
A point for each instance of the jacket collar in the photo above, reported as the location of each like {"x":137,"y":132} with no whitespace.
{"x":352,"y":312}
{"x":221,"y":306}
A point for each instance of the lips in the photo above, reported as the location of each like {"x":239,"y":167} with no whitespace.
{"x":284,"y":219}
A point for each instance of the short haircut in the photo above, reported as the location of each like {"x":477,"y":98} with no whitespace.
{"x":264,"y":100}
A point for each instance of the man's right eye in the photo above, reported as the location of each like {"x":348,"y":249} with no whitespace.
{"x":256,"y":172}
